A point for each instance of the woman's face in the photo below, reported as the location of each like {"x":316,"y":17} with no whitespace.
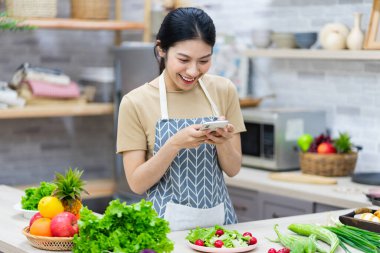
{"x":185,"y":63}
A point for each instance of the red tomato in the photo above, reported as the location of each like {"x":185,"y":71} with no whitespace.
{"x":199,"y":242}
{"x":272,"y":250}
{"x":252,"y":241}
{"x":218,"y":244}
{"x":247,"y":234}
{"x":219,"y":232}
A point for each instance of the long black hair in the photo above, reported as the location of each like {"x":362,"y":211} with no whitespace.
{"x":184,"y":24}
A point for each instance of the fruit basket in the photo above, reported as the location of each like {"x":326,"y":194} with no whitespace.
{"x":329,"y":165}
{"x":49,"y":243}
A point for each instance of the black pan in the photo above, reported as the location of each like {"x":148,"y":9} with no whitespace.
{"x":369,"y":178}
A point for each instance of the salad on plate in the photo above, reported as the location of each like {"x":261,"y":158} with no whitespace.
{"x":218,"y":237}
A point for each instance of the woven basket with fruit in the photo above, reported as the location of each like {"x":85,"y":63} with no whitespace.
{"x":325,"y":156}
{"x":55,"y":224}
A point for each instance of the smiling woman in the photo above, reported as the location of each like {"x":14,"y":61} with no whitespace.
{"x":165,"y":152}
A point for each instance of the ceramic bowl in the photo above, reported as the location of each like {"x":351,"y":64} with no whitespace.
{"x":305,"y":39}
{"x":261,"y":38}
{"x":284,"y":40}
{"x":27,"y":214}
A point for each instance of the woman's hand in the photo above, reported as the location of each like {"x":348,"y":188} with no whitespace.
{"x":189,"y":137}
{"x":221,"y":135}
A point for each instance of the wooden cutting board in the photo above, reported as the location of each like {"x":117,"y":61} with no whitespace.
{"x":301,"y":178}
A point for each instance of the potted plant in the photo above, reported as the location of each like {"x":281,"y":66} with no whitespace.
{"x":8,"y":23}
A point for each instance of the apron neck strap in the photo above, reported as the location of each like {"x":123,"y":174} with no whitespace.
{"x":163,"y":98}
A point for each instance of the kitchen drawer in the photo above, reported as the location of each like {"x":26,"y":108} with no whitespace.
{"x":245,"y":204}
{"x":275,"y":206}
{"x":318,"y":208}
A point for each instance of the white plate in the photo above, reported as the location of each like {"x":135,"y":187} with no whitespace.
{"x":221,"y":250}
{"x":26,"y":213}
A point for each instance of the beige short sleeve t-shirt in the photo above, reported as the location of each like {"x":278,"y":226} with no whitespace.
{"x":140,"y":110}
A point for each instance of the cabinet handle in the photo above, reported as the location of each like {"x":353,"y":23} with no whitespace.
{"x":240,"y":208}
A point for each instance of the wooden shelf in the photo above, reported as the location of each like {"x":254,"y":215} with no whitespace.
{"x":58,"y":110}
{"x":315,"y":54}
{"x":80,"y":24}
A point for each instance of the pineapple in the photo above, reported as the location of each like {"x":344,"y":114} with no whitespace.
{"x":69,"y":189}
{"x":343,"y":143}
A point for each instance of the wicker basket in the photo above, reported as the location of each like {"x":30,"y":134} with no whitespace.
{"x":49,"y":243}
{"x":32,"y":8}
{"x":90,"y":9}
{"x":329,"y":165}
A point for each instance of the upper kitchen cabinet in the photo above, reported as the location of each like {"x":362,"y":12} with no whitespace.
{"x":314,"y":54}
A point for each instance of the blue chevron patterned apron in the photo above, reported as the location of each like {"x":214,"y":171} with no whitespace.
{"x":192,"y":192}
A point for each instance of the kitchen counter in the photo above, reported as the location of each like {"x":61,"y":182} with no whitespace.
{"x":344,"y":194}
{"x":13,"y":241}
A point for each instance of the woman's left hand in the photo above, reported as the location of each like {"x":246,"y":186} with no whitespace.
{"x":221,"y":135}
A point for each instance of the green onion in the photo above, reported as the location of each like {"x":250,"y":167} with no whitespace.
{"x":363,"y":240}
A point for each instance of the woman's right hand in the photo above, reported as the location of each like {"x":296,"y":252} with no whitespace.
{"x":188,"y":137}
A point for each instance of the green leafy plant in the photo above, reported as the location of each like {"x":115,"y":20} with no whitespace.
{"x":33,"y":195}
{"x":8,"y":23}
{"x":123,"y":228}
{"x":343,"y":143}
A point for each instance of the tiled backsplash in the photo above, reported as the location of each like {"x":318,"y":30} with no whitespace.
{"x":31,"y":149}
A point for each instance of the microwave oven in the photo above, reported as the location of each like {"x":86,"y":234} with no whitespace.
{"x":270,"y":141}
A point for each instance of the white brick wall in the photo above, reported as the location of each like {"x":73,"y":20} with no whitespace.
{"x":348,"y":90}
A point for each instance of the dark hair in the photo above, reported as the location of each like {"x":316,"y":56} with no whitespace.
{"x":184,"y":24}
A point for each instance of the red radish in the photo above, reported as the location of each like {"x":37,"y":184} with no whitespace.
{"x":272,"y":250}
{"x":218,"y":244}
{"x":247,"y":234}
{"x":252,"y":241}
{"x":219,"y":232}
{"x":283,"y":250}
{"x":199,"y":242}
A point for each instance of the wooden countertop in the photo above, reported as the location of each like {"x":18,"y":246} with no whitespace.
{"x":13,"y":241}
{"x":345,"y":193}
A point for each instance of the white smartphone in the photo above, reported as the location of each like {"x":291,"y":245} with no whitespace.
{"x":213,"y":125}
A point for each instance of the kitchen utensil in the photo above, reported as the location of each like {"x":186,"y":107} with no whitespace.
{"x":371,"y":178}
{"x":261,"y":38}
{"x":301,"y":178}
{"x":26,"y":213}
{"x":221,"y":250}
{"x":348,"y":219}
{"x":305,"y":39}
{"x":253,"y":102}
{"x":333,"y":36}
{"x":284,"y":40}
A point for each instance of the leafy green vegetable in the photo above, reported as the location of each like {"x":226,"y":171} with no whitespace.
{"x":230,"y":238}
{"x":123,"y":228}
{"x":361,"y":239}
{"x":34,"y":194}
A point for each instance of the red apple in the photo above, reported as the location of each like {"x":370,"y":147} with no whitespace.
{"x":64,"y":225}
{"x":34,"y":218}
{"x":326,"y":148}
